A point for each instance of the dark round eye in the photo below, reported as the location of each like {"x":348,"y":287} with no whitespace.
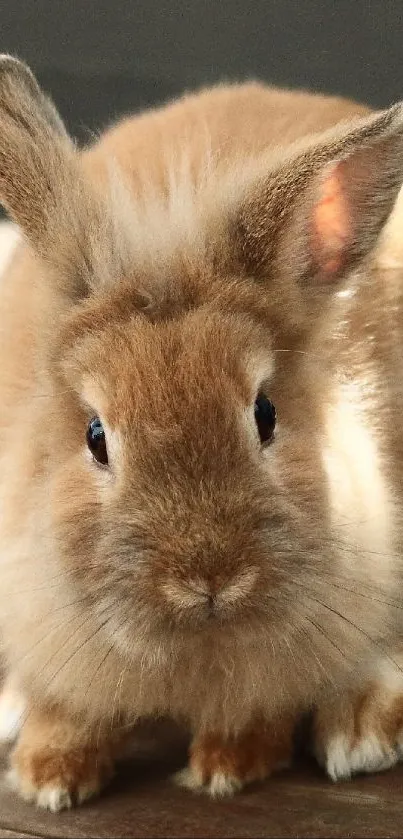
{"x":265,"y":416}
{"x":96,"y":441}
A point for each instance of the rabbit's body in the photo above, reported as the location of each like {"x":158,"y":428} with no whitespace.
{"x":198,"y":576}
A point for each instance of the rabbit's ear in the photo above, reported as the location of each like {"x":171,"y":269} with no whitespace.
{"x":322,"y":210}
{"x":42,"y":186}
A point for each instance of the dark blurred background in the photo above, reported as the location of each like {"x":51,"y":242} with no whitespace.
{"x":101,"y":59}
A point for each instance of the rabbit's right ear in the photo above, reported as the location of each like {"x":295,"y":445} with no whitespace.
{"x":42,"y":186}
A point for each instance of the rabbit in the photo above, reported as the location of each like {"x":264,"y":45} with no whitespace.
{"x":201,"y":439}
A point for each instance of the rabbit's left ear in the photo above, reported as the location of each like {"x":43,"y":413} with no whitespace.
{"x":321,"y":211}
{"x":37,"y":166}
{"x":43,"y":187}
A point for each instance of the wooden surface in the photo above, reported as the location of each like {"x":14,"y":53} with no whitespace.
{"x":143,"y":802}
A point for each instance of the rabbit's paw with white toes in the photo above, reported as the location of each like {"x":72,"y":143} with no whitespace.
{"x":360,"y":734}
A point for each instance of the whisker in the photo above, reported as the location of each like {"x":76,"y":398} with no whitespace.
{"x":44,"y":637}
{"x":75,"y":651}
{"x":26,"y":714}
{"x":98,"y":667}
{"x":298,"y":352}
{"x":321,"y":630}
{"x":359,"y":629}
{"x":62,"y":575}
{"x":119,"y":684}
{"x":394,"y":605}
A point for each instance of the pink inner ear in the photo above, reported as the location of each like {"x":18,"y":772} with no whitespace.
{"x":331,"y":222}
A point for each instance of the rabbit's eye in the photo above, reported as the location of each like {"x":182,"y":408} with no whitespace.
{"x":265,"y":417}
{"x":96,"y":441}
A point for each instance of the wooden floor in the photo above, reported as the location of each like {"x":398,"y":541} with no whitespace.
{"x":143,"y":802}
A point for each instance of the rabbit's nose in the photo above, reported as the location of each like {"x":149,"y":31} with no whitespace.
{"x":207,"y":598}
{"x":211,"y":596}
{"x":211,"y":603}
{"x":189,"y":594}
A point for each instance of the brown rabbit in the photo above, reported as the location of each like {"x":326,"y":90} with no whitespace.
{"x":201,"y":437}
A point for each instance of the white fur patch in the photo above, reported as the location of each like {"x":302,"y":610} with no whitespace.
{"x":219,"y":785}
{"x":370,"y":755}
{"x":222,"y":786}
{"x":52,"y":797}
{"x":360,"y":500}
{"x":12,"y":708}
{"x":389,"y":674}
{"x":9,"y":236}
{"x":189,"y":779}
{"x":390,"y":247}
{"x":155,"y":225}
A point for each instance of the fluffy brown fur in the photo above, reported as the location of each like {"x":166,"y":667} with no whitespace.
{"x":194,"y":256}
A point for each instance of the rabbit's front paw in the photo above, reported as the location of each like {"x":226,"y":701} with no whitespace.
{"x":360,"y":734}
{"x":58,"y":780}
{"x":222,"y":766}
{"x":53,"y":769}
